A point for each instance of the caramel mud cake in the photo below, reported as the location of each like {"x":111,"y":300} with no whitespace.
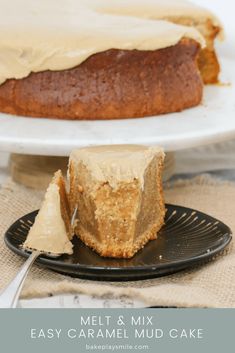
{"x":86,"y":61}
{"x":181,"y":12}
{"x":118,"y":192}
{"x":51,"y":231}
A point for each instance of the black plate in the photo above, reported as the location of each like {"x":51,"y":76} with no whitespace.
{"x":188,"y":238}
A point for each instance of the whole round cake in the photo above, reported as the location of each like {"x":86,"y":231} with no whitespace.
{"x":97,"y":59}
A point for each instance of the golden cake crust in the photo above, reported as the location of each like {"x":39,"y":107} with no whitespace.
{"x":111,"y":85}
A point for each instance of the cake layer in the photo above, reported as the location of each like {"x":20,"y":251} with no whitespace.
{"x":181,"y":12}
{"x":118,"y":192}
{"x":100,"y":59}
{"x":111,"y":84}
{"x":54,"y":35}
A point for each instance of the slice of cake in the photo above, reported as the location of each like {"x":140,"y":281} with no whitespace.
{"x":51,"y":231}
{"x":118,"y":192}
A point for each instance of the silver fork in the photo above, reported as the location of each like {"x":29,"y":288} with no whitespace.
{"x":9,"y":296}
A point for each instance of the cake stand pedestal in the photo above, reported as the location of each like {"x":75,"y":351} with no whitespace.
{"x":35,"y":171}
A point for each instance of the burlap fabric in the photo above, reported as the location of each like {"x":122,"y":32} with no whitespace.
{"x":211,"y":285}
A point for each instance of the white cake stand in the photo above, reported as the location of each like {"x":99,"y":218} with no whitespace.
{"x":212,"y":121}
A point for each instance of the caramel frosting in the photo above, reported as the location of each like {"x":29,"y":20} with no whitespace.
{"x":155,"y":9}
{"x":61,"y":34}
{"x":116,"y":163}
{"x":48,"y":233}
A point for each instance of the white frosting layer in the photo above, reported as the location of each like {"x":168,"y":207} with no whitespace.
{"x":116,"y":163}
{"x":48,"y":233}
{"x":60,"y":34}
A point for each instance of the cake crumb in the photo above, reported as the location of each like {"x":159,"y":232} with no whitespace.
{"x":80,"y":188}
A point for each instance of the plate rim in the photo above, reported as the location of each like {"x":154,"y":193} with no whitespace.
{"x":131,"y":269}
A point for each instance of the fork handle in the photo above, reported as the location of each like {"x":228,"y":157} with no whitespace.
{"x":9,"y":296}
